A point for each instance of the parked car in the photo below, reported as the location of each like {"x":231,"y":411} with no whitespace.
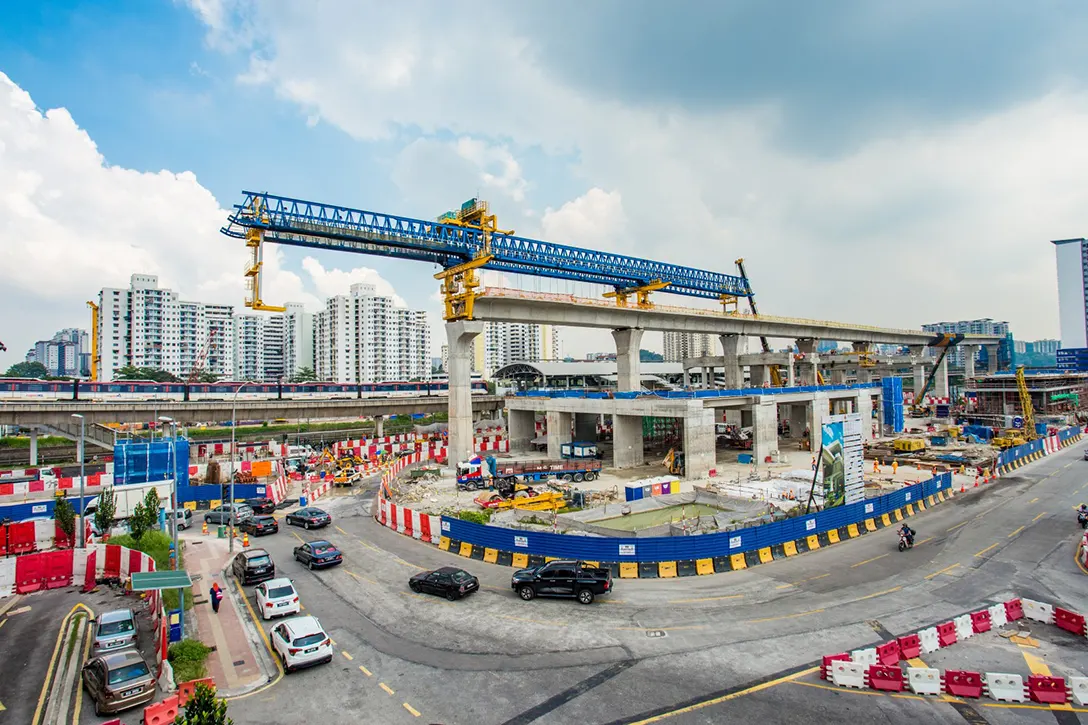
{"x":277,"y":597}
{"x":449,"y":582}
{"x":114,"y":631}
{"x":260,"y":525}
{"x":183,"y":518}
{"x":222,"y":514}
{"x":562,"y":579}
{"x":261,"y":505}
{"x":301,"y":642}
{"x":253,"y":565}
{"x":118,"y":681}
{"x":308,"y":518}
{"x":318,"y":554}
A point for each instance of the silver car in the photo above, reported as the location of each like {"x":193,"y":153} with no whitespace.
{"x":114,"y":631}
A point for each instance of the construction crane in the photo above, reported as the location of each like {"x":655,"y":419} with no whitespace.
{"x":460,"y":242}
{"x":198,"y":366}
{"x":1025,"y":405}
{"x":96,"y":356}
{"x":776,"y":374}
{"x":944,"y":342}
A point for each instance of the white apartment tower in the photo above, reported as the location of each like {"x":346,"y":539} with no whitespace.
{"x":1072,"y":258}
{"x":680,"y":346}
{"x":504,"y":343}
{"x":365,"y":337}
{"x":298,"y":339}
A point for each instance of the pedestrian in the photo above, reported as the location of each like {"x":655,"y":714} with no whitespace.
{"x":216,"y":594}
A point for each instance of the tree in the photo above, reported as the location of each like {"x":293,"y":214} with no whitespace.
{"x":131,"y":372}
{"x":207,"y":377}
{"x":65,"y":517}
{"x":203,"y":708}
{"x":106,"y":511}
{"x":650,"y":356}
{"x":27,"y":370}
{"x":144,"y":515}
{"x":304,"y":374}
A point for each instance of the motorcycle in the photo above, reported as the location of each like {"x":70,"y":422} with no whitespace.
{"x":905,"y":542}
{"x":1082,"y":519}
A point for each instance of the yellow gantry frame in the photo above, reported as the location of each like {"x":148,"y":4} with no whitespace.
{"x":459,"y":283}
{"x":642,"y":294}
{"x":255,"y":240}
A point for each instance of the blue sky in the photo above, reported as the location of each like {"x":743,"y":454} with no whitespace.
{"x":878,"y":162}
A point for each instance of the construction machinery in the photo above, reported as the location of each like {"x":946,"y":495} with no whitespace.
{"x":674,"y":462}
{"x":96,"y":356}
{"x":478,"y":473}
{"x":1025,"y":404}
{"x":776,"y":374}
{"x":944,"y":342}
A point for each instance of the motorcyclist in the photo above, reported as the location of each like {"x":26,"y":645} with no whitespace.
{"x":1082,"y":514}
{"x":907,"y":533}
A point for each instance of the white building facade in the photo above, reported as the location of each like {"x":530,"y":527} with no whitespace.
{"x":504,"y":343}
{"x":680,"y":346}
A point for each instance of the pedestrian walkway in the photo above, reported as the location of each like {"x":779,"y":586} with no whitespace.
{"x":234,"y":665}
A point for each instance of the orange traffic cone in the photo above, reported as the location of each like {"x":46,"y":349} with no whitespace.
{"x":976,"y":481}
{"x":204,"y":528}
{"x":245,"y":539}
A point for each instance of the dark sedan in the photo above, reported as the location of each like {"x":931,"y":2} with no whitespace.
{"x":308,"y":518}
{"x":449,"y":582}
{"x":253,"y":565}
{"x":318,"y":554}
{"x":260,"y":525}
{"x":261,"y":505}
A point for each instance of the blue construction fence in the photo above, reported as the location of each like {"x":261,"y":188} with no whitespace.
{"x":38,"y":509}
{"x":147,"y":462}
{"x":686,"y":394}
{"x":215,"y":491}
{"x":1014,"y":455}
{"x":683,"y":548}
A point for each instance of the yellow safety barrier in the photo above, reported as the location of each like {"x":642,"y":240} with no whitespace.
{"x":466,"y":549}
{"x":628,"y":570}
{"x":940,"y":495}
{"x":737,"y":562}
{"x":886,"y":519}
{"x":852,"y":530}
{"x":704,"y":566}
{"x":520,"y":561}
{"x":833,"y":536}
{"x":666,"y":569}
{"x":444,"y":543}
{"x":790,"y":548}
{"x":870,"y":525}
{"x":491,"y":555}
{"x":910,"y":509}
{"x":921,"y":505}
{"x":813,"y":542}
{"x":765,"y":555}
{"x":899,"y":514}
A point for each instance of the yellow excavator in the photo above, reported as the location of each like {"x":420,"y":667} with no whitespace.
{"x":674,"y":462}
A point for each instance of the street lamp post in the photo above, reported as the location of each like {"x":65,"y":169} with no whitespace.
{"x":171,"y":458}
{"x":82,"y":514}
{"x":233,"y":436}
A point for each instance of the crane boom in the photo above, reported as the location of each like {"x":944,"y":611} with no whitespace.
{"x":945,"y":342}
{"x":776,"y":374}
{"x":1025,"y":405}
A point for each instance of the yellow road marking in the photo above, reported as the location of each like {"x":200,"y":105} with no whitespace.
{"x":811,"y":579}
{"x":705,"y":599}
{"x":962,"y":523}
{"x":1035,"y":499}
{"x":867,"y":561}
{"x":295,"y":534}
{"x":53,"y":660}
{"x":267,"y":644}
{"x":942,"y":571}
{"x":833,"y":689}
{"x":656,"y":629}
{"x":1017,"y":531}
{"x":1038,"y":517}
{"x":923,"y":541}
{"x":347,"y":655}
{"x":10,"y":603}
{"x":988,"y":548}
{"x":409,"y":708}
{"x":365,"y":671}
{"x":783,"y":586}
{"x":386,"y":687}
{"x":1038,"y":667}
{"x":784,"y":616}
{"x":20,"y":610}
{"x":3,"y":622}
{"x":360,"y":578}
{"x":878,"y":594}
{"x":727,"y":698}
{"x":1076,"y":550}
{"x":342,"y":531}
{"x":79,"y":689}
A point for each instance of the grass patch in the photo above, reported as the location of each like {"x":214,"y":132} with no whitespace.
{"x":43,"y":442}
{"x":156,"y":544}
{"x":77,"y":625}
{"x":187,"y":658}
{"x":476,"y":517}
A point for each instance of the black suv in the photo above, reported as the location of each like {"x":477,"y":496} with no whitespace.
{"x":562,"y":579}
{"x":260,"y":505}
{"x":253,"y":566}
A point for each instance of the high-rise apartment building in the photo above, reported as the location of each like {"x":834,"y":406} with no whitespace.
{"x":680,"y":346}
{"x":984,"y":326}
{"x":1044,"y":347}
{"x":365,"y":337}
{"x":298,"y":339}
{"x":1072,"y":258}
{"x":504,"y":343}
{"x":67,"y":353}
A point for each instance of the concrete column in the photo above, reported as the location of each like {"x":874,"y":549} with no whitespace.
{"x":687,"y":378}
{"x":991,"y":359}
{"x":460,"y":336}
{"x":969,"y":352}
{"x":706,"y":377}
{"x":919,"y":381}
{"x":798,"y":420}
{"x":734,"y":416}
{"x":34,"y":447}
{"x":558,"y":433}
{"x":585,"y":427}
{"x":756,"y":373}
{"x":627,"y":441}
{"x":629,"y":369}
{"x":838,"y":376}
{"x":731,"y":352}
{"x":791,"y":374}
{"x":864,"y":405}
{"x":522,"y":429}
{"x":865,"y":375}
{"x":764,"y":428}
{"x":940,"y":380}
{"x":379,"y":426}
{"x":699,"y":450}
{"x":818,"y":408}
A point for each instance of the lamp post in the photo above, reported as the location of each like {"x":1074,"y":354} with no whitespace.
{"x":233,"y":437}
{"x":82,"y":515}
{"x":171,"y":458}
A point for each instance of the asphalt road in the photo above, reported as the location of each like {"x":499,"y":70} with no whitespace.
{"x":725,"y":648}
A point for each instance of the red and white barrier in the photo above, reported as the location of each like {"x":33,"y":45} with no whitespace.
{"x":69,"y":567}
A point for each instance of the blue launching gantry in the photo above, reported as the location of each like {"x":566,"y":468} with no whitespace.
{"x":461,"y":242}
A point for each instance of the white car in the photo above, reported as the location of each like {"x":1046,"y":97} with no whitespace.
{"x":301,"y":642}
{"x":277,"y":597}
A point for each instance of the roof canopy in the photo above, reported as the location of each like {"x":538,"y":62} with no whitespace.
{"x":145,"y":581}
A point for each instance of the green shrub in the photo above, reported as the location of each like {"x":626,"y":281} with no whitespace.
{"x":476,"y":517}
{"x":187,"y":657}
{"x":156,"y":544}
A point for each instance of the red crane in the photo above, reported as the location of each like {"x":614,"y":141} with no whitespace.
{"x":198,"y":366}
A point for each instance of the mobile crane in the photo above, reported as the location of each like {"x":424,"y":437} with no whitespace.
{"x":945,"y":342}
{"x":1025,"y":405}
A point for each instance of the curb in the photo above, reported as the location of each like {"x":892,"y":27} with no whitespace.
{"x":256,"y":642}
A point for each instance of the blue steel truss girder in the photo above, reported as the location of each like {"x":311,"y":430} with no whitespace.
{"x":303,"y":223}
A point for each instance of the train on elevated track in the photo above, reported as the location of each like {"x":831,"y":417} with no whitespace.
{"x":22,"y":389}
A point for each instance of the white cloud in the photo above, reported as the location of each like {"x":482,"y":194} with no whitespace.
{"x":946,"y":222}
{"x":332,"y":282}
{"x":70,"y":224}
{"x":595,"y":220}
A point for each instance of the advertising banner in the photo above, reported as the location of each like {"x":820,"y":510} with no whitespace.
{"x":842,"y":461}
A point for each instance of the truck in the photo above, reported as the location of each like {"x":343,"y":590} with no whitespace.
{"x":562,"y":578}
{"x":478,"y":473}
{"x":128,"y":495}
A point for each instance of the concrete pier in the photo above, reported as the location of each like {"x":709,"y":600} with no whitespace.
{"x":700,"y":453}
{"x":628,"y":361}
{"x":559,"y":432}
{"x":731,"y":360}
{"x":33,"y":447}
{"x":460,"y":337}
{"x":764,"y":429}
{"x":627,"y":451}
{"x":521,"y":429}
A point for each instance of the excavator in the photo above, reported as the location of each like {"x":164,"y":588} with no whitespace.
{"x":674,"y":462}
{"x":945,"y":342}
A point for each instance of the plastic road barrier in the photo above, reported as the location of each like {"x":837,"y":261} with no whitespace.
{"x":924,"y":680}
{"x":930,"y":642}
{"x":1038,"y":611}
{"x":1004,"y":687}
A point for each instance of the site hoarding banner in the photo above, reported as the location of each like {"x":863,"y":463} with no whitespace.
{"x":842,"y":460}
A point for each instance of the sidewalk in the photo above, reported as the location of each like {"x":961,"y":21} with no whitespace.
{"x":236,"y":665}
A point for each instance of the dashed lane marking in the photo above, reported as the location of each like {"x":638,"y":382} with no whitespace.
{"x":347,"y":655}
{"x":867,"y":561}
{"x":877,"y":594}
{"x":365,"y":671}
{"x":1033,"y":500}
{"x":342,"y":531}
{"x":659,"y":629}
{"x":962,"y":523}
{"x":409,"y":708}
{"x":942,"y":571}
{"x":1038,"y":517}
{"x":784,"y":616}
{"x":988,"y":548}
{"x":386,"y":687}
{"x":360,"y":578}
{"x":295,"y":534}
{"x":1017,"y":531}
